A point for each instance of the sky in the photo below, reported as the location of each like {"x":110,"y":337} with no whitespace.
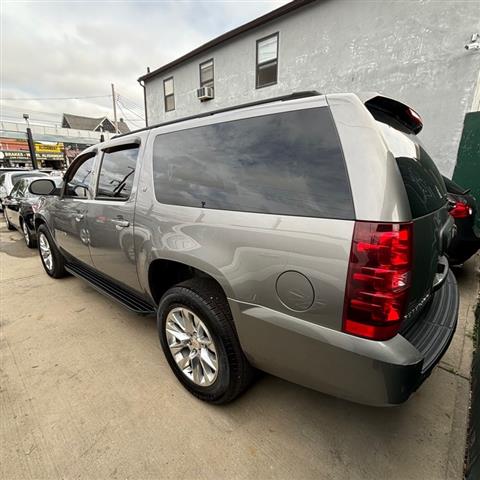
{"x":63,"y":50}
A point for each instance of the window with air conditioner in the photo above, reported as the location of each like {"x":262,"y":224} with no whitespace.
{"x":205,"y":92}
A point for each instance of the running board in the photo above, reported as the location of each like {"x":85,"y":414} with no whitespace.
{"x":128,"y":299}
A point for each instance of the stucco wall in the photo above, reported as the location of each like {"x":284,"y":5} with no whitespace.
{"x":412,"y":51}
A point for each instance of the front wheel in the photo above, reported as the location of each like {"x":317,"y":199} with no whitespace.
{"x":200,"y":343}
{"x":52,"y":259}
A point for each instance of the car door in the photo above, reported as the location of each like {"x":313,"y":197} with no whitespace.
{"x":111,"y":215}
{"x":70,"y":209}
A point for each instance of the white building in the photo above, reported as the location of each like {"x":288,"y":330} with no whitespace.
{"x":412,"y":51}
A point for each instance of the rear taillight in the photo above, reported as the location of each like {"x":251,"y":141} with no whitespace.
{"x":378,"y":279}
{"x":460,"y":210}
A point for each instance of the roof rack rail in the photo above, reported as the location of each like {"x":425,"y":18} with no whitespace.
{"x":282,"y":98}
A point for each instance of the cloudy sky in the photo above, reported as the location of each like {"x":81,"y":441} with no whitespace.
{"x":66,"y":49}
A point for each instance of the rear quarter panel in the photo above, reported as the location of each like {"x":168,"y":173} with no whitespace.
{"x":377,"y":188}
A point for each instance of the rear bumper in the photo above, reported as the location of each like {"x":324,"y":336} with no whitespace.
{"x":433,"y":331}
{"x":360,"y":370}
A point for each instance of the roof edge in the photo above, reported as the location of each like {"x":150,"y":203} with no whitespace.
{"x":257,"y":22}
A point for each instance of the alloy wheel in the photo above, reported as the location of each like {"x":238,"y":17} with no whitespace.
{"x":45,"y":251}
{"x":192,"y":347}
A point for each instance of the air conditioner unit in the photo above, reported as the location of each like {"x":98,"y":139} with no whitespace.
{"x":205,"y":93}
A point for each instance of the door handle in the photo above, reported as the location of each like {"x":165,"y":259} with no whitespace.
{"x":79,"y":217}
{"x":119,"y":223}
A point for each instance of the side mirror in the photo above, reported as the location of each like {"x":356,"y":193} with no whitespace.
{"x":43,"y":186}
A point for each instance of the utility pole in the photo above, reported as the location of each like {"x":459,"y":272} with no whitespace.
{"x":114,"y":108}
{"x":31,"y":143}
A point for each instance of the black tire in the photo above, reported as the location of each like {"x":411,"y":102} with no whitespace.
{"x":9,"y":225}
{"x":206,"y":299}
{"x":27,"y":235}
{"x":58,"y":263}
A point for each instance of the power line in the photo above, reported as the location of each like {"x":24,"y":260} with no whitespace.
{"x":131,"y":111}
{"x":131,"y":120}
{"x":55,"y":98}
{"x":131,"y":102}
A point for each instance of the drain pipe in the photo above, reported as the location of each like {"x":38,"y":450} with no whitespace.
{"x":142,"y":84}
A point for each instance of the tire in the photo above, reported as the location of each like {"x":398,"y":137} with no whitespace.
{"x":204,"y":299}
{"x":56,"y":266}
{"x":9,"y":225}
{"x":27,"y":236}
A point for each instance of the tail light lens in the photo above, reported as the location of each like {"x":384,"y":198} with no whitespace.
{"x":460,"y":210}
{"x":378,"y":281}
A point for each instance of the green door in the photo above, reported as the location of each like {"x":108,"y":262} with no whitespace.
{"x":467,"y":170}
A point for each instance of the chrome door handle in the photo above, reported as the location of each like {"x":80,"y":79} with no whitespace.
{"x":79,"y":217}
{"x":119,"y":224}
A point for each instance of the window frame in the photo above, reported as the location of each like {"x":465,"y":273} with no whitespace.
{"x":257,"y":64}
{"x":165,"y":96}
{"x":112,"y":149}
{"x":204,"y":83}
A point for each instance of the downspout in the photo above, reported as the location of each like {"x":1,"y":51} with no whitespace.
{"x":142,"y":84}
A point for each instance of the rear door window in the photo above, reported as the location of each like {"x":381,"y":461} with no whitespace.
{"x":288,"y":163}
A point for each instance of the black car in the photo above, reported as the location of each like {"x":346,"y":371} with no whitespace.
{"x":19,"y":208}
{"x":463,"y":208}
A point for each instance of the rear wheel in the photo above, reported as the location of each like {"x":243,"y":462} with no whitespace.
{"x":198,"y":338}
{"x":52,"y":259}
{"x":30,"y":242}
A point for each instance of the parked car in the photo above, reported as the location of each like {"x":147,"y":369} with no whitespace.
{"x":463,"y":208}
{"x":304,"y":236}
{"x":19,"y":208}
{"x":8,"y":180}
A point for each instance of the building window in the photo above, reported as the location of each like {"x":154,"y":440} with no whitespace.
{"x":267,"y":61}
{"x":206,"y":73}
{"x":169,"y":94}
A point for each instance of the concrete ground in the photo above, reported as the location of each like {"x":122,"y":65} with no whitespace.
{"x":86,"y":393}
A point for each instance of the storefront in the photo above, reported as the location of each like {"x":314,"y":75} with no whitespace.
{"x":14,"y":152}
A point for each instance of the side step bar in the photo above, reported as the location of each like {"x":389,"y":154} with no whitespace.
{"x":128,"y":299}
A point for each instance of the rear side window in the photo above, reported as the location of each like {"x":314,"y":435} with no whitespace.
{"x":288,"y":163}
{"x":117,"y":172}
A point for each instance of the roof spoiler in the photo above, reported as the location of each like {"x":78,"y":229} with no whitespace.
{"x":392,"y":112}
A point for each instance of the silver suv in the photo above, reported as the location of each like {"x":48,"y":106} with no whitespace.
{"x":303,"y":236}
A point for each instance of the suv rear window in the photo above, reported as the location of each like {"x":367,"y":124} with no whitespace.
{"x":423,"y":182}
{"x":287,"y":163}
